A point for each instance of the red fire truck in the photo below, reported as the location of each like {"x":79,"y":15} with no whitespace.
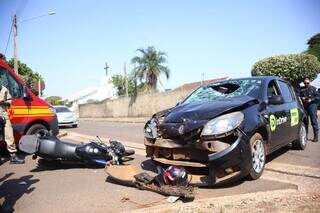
{"x":28,"y":113}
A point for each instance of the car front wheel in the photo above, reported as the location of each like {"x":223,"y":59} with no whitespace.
{"x":258,"y":156}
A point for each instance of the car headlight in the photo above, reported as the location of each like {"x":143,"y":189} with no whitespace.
{"x":223,"y":124}
{"x":151,"y":129}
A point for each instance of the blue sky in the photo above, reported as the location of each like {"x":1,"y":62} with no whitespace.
{"x":217,"y":38}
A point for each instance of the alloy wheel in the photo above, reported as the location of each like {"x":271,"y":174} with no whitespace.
{"x":258,"y":156}
{"x":303,"y":135}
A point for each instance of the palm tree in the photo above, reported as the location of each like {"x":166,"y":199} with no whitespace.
{"x":149,"y":66}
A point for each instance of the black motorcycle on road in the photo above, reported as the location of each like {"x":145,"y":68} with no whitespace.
{"x":51,"y":148}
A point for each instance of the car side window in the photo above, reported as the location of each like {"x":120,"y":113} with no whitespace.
{"x":293,"y":93}
{"x":16,"y":89}
{"x":286,"y":93}
{"x":4,"y":78}
{"x":273,"y":89}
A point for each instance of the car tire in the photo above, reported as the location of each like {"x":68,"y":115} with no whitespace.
{"x":35,"y":129}
{"x":258,"y":156}
{"x":301,"y":142}
{"x":75,"y":125}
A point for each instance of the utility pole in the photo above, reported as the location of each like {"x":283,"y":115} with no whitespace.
{"x":126,"y":78}
{"x":202,"y":81}
{"x":39,"y":87}
{"x":15,"y":48}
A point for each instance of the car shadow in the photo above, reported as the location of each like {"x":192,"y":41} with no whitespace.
{"x":46,"y":165}
{"x":274,"y":155}
{"x":11,"y":190}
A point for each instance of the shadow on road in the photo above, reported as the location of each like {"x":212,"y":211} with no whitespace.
{"x":11,"y":190}
{"x":278,"y":153}
{"x":45,"y":165}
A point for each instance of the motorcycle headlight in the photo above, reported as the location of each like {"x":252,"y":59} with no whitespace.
{"x":223,"y":124}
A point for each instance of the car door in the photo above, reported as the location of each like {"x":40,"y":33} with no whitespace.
{"x":277,"y":116}
{"x":19,"y":105}
{"x":292,"y":111}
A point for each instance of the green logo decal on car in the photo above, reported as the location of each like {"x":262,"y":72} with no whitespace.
{"x":273,"y":122}
{"x":294,"y":116}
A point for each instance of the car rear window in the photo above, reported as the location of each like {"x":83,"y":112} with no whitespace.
{"x":62,"y":109}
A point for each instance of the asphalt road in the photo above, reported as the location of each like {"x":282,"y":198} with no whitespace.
{"x":40,"y":187}
{"x":132,"y":132}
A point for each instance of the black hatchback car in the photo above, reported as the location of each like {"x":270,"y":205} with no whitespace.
{"x":228,"y":127}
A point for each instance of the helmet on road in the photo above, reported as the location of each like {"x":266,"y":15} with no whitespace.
{"x":175,"y":175}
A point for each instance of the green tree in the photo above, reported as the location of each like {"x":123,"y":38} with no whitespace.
{"x":149,"y":66}
{"x":293,"y":67}
{"x":119,"y":83}
{"x":30,"y":77}
{"x":55,"y":100}
{"x":314,"y":46}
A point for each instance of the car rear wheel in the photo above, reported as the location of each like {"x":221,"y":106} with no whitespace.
{"x":258,"y":156}
{"x":301,"y":142}
{"x":35,"y":129}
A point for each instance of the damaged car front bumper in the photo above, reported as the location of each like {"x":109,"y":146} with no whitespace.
{"x":224,"y":158}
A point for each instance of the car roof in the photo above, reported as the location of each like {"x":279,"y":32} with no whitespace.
{"x":262,"y":78}
{"x":60,"y":106}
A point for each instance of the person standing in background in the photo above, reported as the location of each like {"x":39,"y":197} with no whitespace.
{"x":310,"y":98}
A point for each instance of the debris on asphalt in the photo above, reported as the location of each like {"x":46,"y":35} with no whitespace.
{"x":172,"y":199}
{"x":130,"y":175}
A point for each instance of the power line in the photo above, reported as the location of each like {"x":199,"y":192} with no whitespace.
{"x":8,"y":38}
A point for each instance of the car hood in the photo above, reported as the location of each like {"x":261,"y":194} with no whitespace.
{"x":65,"y":115}
{"x":195,"y":115}
{"x":204,"y":110}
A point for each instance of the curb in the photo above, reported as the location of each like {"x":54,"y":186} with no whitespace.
{"x":216,"y":201}
{"x":296,"y":170}
{"x":118,"y":120}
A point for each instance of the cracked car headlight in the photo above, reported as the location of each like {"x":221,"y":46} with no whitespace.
{"x":223,"y":124}
{"x":150,"y":130}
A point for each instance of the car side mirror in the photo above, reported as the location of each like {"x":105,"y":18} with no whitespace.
{"x":25,"y":94}
{"x":276,"y":100}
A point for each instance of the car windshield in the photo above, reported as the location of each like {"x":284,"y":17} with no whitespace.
{"x":62,"y":109}
{"x":226,"y":89}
